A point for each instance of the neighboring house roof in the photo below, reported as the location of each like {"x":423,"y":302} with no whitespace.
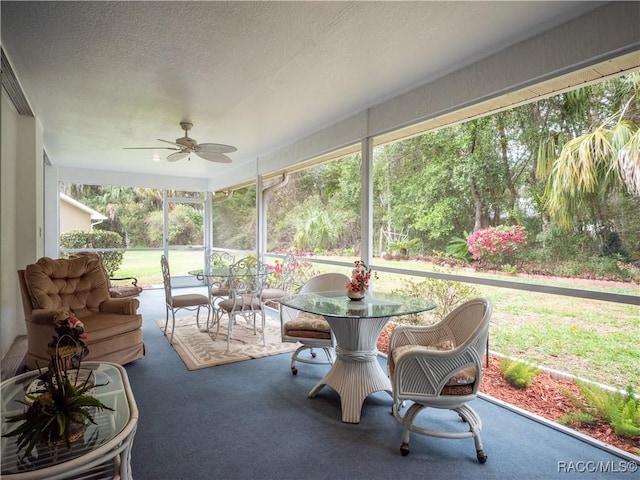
{"x":94,"y":215}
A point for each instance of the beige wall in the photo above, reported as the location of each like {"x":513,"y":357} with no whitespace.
{"x":21,"y":213}
{"x":72,"y":218}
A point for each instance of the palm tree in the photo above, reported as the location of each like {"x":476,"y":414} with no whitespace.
{"x":591,"y":166}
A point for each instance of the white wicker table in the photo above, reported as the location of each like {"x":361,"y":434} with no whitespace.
{"x":103,"y":452}
{"x":356,"y":373}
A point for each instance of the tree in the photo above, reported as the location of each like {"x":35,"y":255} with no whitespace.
{"x":590,"y":168}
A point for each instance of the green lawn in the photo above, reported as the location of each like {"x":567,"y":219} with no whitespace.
{"x":592,"y":339}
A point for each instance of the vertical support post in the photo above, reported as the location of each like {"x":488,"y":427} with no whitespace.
{"x":208,"y":229}
{"x":366,"y":199}
{"x":261,"y":230}
{"x":165,"y":223}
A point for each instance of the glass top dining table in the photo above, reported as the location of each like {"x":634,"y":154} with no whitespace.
{"x":356,"y":373}
{"x":373,"y":305}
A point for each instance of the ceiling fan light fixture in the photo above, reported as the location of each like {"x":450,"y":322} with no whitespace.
{"x":184,"y":146}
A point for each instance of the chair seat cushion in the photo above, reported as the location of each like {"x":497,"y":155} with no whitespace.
{"x":466,"y":376}
{"x":124,"y":291}
{"x":189,"y":300}
{"x":308,"y":325}
{"x":219,"y":291}
{"x":250,"y":303}
{"x":273,"y":293}
{"x":102,"y":326}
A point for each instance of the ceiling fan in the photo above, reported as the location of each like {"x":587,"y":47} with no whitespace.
{"x":214,"y":152}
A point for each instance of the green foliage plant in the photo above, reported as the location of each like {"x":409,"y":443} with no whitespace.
{"x":620,"y":410}
{"x":458,"y":248}
{"x":61,"y":403}
{"x":509,"y":268}
{"x":96,"y":239}
{"x":518,"y":374}
{"x":403,"y":247}
{"x":54,"y":410}
{"x":315,"y":226}
{"x":446,"y":294}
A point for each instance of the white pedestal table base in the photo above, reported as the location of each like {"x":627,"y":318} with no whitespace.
{"x":356,"y":373}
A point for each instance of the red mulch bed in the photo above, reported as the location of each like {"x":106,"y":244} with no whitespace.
{"x":544,"y":398}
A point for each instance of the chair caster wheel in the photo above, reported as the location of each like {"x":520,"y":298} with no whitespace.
{"x":294,"y":371}
{"x":314,"y":354}
{"x":482,"y":457}
{"x":404,"y":449}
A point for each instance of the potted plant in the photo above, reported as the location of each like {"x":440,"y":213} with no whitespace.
{"x":58,"y":408}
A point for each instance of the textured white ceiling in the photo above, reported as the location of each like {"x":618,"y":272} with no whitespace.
{"x":101,"y":76}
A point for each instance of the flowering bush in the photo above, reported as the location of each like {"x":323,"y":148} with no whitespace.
{"x":497,"y":245}
{"x":360,"y":277}
{"x":304,"y":271}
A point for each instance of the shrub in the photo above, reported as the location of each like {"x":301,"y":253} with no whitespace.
{"x":446,"y":294}
{"x":497,"y":245}
{"x":403,"y":247}
{"x":518,"y":374}
{"x":459,"y":249}
{"x":621,"y":411}
{"x":96,"y":239}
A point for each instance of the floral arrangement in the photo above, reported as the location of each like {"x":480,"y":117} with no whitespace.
{"x":360,"y":277}
{"x":56,"y":412}
{"x":61,"y":403}
{"x":70,"y":330}
{"x":69,"y":339}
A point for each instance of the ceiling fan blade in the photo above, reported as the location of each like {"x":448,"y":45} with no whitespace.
{"x":214,"y":148}
{"x":150,"y":148}
{"x":213,"y":156}
{"x":174,"y":157}
{"x":172,"y":143}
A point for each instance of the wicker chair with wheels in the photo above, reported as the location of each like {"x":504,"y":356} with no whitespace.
{"x":188,"y":301}
{"x":312,"y":331}
{"x":440,"y":366}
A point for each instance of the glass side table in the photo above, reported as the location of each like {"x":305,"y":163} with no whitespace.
{"x":103,"y":452}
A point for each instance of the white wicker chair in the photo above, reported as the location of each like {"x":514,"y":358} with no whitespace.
{"x":440,"y":366}
{"x":313,"y":331}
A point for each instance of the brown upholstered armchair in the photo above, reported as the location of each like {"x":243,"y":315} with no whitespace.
{"x":80,"y":286}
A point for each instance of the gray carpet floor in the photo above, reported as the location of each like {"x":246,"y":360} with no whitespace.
{"x":253,"y":420}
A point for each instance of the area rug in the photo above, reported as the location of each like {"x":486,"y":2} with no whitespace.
{"x":199,"y":349}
